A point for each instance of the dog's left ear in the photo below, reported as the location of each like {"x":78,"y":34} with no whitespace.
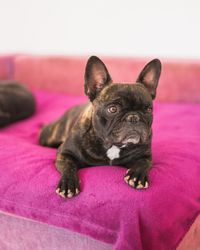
{"x":150,"y":75}
{"x":96,"y":77}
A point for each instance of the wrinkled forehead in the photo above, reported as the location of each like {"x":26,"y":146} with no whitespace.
{"x":135,"y":94}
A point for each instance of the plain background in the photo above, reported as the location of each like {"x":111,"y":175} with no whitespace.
{"x":120,"y":28}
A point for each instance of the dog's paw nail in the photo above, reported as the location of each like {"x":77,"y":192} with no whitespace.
{"x":58,"y":190}
{"x":134,"y":179}
{"x":140,"y":186}
{"x":70,"y":194}
{"x":126,"y":178}
{"x":127,"y":171}
{"x":131,"y":183}
{"x":146,"y":185}
{"x":62,"y":194}
{"x":77,"y":191}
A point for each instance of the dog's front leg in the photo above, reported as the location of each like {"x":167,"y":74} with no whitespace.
{"x":137,"y":173}
{"x":68,"y":185}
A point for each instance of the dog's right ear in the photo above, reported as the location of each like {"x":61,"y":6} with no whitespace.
{"x":96,"y":77}
{"x":150,"y":75}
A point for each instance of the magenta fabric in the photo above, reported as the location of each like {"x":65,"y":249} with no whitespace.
{"x":107,"y":209}
{"x":179,"y":79}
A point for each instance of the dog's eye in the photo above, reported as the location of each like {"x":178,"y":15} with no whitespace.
{"x":112,"y":109}
{"x":133,"y":118}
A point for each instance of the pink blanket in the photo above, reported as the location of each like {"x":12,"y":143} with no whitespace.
{"x":107,"y":209}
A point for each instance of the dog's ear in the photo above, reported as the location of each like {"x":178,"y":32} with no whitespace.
{"x":96,"y":77}
{"x":150,"y":75}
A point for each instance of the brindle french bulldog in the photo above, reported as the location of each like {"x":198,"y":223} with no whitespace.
{"x":16,"y":102}
{"x":114,"y":128}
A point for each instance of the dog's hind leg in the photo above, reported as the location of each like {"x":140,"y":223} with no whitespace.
{"x":50,"y":135}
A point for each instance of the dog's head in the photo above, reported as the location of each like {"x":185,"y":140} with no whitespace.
{"x":122,"y":113}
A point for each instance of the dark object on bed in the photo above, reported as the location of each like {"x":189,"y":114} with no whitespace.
{"x":16,"y":102}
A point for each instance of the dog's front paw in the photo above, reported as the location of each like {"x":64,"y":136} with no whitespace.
{"x":68,"y":186}
{"x":137,"y":178}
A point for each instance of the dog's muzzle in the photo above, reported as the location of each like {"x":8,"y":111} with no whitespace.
{"x":134,"y":139}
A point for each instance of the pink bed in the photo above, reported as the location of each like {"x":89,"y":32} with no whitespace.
{"x":107,"y":214}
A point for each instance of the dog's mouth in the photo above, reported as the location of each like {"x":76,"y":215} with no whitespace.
{"x":131,"y":139}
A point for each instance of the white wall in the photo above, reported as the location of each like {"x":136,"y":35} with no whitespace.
{"x":129,"y":27}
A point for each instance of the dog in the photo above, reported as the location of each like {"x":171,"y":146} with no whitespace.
{"x":114,"y":128}
{"x":16,"y":102}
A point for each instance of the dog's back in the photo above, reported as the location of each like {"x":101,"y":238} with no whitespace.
{"x":55,"y":133}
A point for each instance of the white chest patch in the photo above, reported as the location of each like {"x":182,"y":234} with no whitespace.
{"x":113,"y":152}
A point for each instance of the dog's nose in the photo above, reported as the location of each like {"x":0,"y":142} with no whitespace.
{"x":133,"y":118}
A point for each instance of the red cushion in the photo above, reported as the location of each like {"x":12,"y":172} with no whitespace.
{"x":6,"y":67}
{"x":179,"y":79}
